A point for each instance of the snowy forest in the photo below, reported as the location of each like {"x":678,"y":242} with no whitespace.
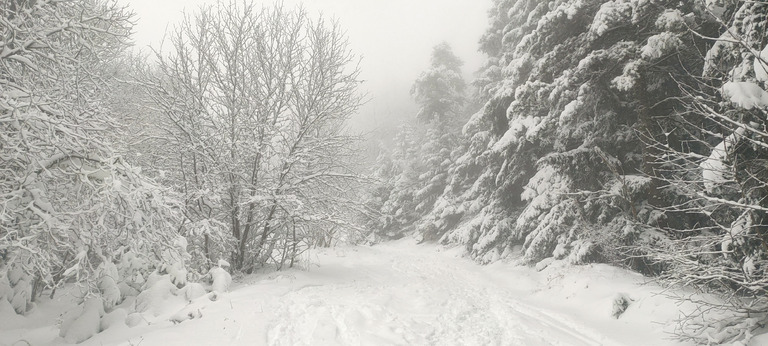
{"x":627,"y":136}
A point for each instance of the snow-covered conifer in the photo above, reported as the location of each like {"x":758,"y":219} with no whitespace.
{"x":553,"y":164}
{"x":439,"y":91}
{"x":417,"y":171}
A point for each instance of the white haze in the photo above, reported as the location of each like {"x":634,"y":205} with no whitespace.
{"x":394,"y":38}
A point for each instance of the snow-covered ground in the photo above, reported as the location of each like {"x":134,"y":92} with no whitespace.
{"x":398,"y":293}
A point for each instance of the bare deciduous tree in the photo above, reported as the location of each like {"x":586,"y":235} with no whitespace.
{"x":257,"y":100}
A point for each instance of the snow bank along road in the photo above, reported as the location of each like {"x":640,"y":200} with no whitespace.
{"x":407,"y":294}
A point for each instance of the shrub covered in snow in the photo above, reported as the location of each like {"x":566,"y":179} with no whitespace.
{"x":220,"y":278}
{"x":78,"y":327}
{"x":155,"y":294}
{"x":15,"y":288}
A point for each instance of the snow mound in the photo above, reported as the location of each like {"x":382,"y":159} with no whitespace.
{"x":107,"y":284}
{"x":86,"y":325}
{"x":127,"y":290}
{"x":187,"y":313}
{"x":135,"y":319}
{"x":192,"y":291}
{"x":156,"y":297}
{"x":220,"y":279}
{"x":6,"y":291}
{"x":178,"y":274}
{"x":21,"y":300}
{"x":115,"y":318}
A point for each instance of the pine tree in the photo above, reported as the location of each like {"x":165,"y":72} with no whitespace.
{"x":423,"y":151}
{"x":554,"y":164}
{"x":439,"y":91}
{"x":713,"y":157}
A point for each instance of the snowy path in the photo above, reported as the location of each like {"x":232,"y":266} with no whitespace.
{"x":391,"y":296}
{"x":397,"y":293}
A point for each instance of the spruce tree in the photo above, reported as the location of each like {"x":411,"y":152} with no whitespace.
{"x":554,"y":164}
{"x":423,"y":152}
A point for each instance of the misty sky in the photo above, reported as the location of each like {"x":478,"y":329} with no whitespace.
{"x":394,"y":38}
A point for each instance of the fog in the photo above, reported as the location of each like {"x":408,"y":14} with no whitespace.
{"x":394,"y":38}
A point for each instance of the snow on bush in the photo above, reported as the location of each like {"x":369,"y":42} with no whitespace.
{"x":519,"y":129}
{"x":627,"y":80}
{"x":474,"y":124}
{"x":515,"y":71}
{"x":192,"y":290}
{"x":107,"y":284}
{"x":85,"y":325}
{"x":464,"y":233}
{"x":114,"y":318}
{"x":68,"y":317}
{"x":715,"y":170}
{"x":174,"y":260}
{"x":547,"y":217}
{"x":135,"y":319}
{"x":127,"y":290}
{"x":747,"y":95}
{"x":6,"y":291}
{"x":721,"y":52}
{"x":131,"y":268}
{"x":178,"y":274}
{"x":506,"y":140}
{"x":156,"y":295}
{"x":220,"y":278}
{"x":7,"y":311}
{"x":16,"y":288}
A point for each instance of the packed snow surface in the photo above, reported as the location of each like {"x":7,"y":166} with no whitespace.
{"x":400,"y":293}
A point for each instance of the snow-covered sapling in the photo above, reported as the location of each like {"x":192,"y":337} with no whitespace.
{"x":220,"y":278}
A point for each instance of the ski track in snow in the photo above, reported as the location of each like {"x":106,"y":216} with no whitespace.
{"x":416,"y":299}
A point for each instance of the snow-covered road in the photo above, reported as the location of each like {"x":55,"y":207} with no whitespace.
{"x":393,"y":295}
{"x":401,"y":293}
